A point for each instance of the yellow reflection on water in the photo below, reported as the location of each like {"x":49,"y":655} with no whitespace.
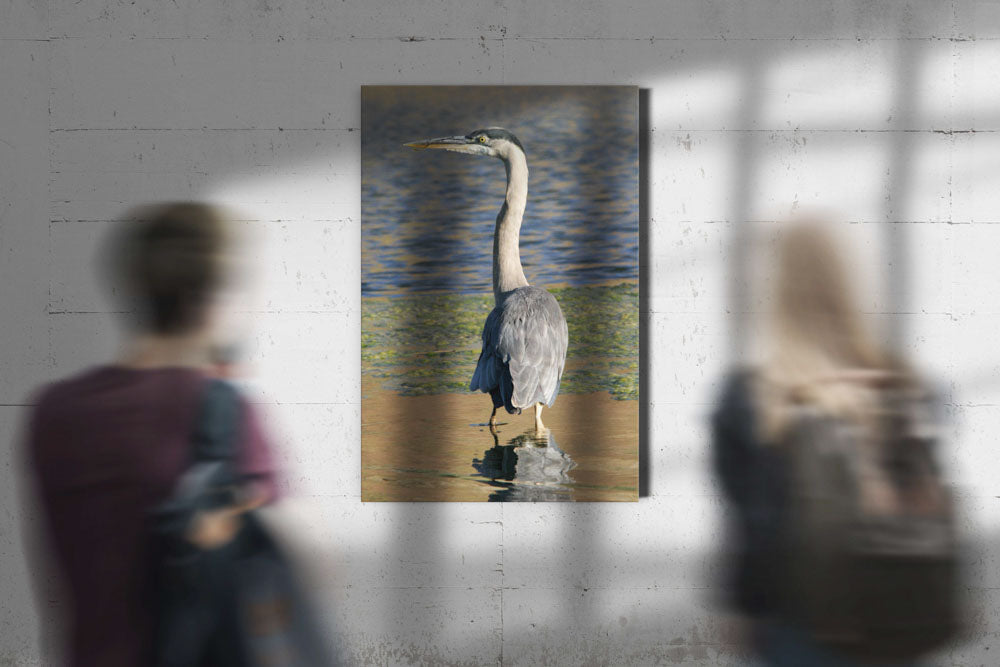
{"x":439,"y":448}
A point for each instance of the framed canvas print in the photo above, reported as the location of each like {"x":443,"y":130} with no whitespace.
{"x":500,"y":293}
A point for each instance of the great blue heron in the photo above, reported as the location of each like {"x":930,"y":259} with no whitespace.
{"x":525,"y":336}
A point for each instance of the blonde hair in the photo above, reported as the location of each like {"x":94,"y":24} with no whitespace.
{"x":820,"y":345}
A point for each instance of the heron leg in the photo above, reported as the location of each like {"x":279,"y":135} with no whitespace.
{"x":539,"y":426}
{"x":493,"y":418}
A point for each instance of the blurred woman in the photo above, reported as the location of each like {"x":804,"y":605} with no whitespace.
{"x":820,"y":359}
{"x":109,"y":444}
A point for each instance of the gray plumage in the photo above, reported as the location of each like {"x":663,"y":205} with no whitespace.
{"x":525,"y":336}
{"x":524,"y":350}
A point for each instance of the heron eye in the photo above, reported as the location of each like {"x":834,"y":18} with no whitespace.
{"x":482,"y":138}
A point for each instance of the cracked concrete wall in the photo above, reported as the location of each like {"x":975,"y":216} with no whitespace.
{"x":887,"y":112}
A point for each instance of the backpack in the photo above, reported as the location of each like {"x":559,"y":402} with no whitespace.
{"x":239,"y":605}
{"x":870,"y":546}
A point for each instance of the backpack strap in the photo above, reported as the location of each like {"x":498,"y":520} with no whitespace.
{"x":210,"y":480}
{"x":216,"y":431}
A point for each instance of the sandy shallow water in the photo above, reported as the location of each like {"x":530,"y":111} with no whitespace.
{"x":438,"y":448}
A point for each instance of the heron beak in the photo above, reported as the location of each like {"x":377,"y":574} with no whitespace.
{"x":457,"y":144}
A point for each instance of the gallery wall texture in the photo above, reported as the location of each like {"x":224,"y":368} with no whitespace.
{"x":886,"y":113}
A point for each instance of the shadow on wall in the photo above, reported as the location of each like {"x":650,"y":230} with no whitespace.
{"x":585,"y":569}
{"x":584,"y":539}
{"x":645,"y":266}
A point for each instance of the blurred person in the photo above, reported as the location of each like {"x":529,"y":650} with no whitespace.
{"x":843,"y":528}
{"x":108,"y":445}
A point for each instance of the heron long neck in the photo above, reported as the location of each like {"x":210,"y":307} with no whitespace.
{"x":507,"y":271}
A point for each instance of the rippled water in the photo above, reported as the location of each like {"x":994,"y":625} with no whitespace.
{"x":428,"y":217}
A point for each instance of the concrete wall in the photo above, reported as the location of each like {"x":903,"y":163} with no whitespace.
{"x":886,"y":111}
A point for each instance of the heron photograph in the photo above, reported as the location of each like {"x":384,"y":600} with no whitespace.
{"x":500,"y":293}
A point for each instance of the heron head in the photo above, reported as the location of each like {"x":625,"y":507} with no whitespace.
{"x":492,"y":141}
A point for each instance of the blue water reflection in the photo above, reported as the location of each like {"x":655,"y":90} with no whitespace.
{"x":427,"y":218}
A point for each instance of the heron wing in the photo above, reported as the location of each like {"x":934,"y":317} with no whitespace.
{"x":492,"y":374}
{"x":524,"y":349}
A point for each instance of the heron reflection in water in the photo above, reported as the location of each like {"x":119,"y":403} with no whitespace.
{"x":525,"y":336}
{"x":530,"y":467}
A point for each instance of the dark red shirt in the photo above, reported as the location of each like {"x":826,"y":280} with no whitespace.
{"x":105,"y":447}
